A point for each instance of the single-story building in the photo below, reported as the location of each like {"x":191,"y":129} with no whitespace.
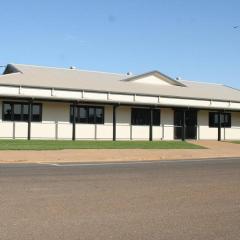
{"x":55,"y":103}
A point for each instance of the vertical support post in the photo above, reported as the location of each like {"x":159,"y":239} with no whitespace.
{"x":95,"y":132}
{"x":219,"y":126}
{"x":14,"y":130}
{"x":163,"y":131}
{"x":114,"y":122}
{"x":29,"y":119}
{"x":151,"y":125}
{"x":74,"y":121}
{"x":131,"y":135}
{"x":183,"y":124}
{"x":56,"y":130}
{"x":198,"y":132}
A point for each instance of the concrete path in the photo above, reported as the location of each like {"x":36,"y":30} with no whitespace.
{"x":215,"y":150}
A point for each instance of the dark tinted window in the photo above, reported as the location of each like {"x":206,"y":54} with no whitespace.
{"x":91,"y":115}
{"x":36,"y":112}
{"x":7,"y":112}
{"x":156,"y":117}
{"x":17,"y":112}
{"x":13,"y":111}
{"x":83,"y":115}
{"x":141,"y":116}
{"x":88,"y":114}
{"x":99,"y":115}
{"x":25,"y":112}
{"x":225,"y":119}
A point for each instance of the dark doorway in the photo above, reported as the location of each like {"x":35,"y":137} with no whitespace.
{"x":190,"y":124}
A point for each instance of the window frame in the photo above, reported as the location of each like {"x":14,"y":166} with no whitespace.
{"x":147,"y":110}
{"x":12,"y":103}
{"x":40,"y":112}
{"x":78,"y":107}
{"x":223,"y":124}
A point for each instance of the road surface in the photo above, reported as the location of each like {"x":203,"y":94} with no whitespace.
{"x":156,"y":200}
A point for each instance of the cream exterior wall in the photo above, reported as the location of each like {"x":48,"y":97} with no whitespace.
{"x":55,"y":125}
{"x":152,"y":80}
{"x":233,"y":133}
{"x":204,"y":131}
{"x":55,"y":112}
{"x":207,"y":133}
{"x":123,"y":119}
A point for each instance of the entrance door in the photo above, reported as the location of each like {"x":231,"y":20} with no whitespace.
{"x":190,"y":124}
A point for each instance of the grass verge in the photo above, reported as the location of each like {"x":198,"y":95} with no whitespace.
{"x":237,"y":142}
{"x":58,"y":145}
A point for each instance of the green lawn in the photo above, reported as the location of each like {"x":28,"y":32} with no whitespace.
{"x":237,"y":142}
{"x":55,"y":145}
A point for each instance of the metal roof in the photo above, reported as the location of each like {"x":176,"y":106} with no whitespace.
{"x":75,"y":79}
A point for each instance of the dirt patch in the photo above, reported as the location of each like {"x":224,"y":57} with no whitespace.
{"x":214,"y":149}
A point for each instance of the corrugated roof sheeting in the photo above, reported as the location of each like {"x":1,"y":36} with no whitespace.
{"x":36,"y":76}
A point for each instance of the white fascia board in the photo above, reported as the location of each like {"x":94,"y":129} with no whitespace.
{"x":88,"y":96}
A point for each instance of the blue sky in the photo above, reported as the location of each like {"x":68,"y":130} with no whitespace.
{"x":194,"y":40}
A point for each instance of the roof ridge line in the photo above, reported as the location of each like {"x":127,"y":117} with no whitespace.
{"x":95,"y":71}
{"x":201,"y":82}
{"x":64,"y":68}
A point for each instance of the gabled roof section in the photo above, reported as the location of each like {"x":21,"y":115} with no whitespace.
{"x":156,"y":78}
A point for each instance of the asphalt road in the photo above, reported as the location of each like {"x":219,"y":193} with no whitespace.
{"x":160,"y":200}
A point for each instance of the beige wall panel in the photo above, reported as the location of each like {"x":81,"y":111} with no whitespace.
{"x":95,"y":96}
{"x":152,"y":80}
{"x":108,"y":116}
{"x":184,"y":102}
{"x":35,"y":92}
{"x":4,"y":90}
{"x":234,"y":105}
{"x":123,"y":115}
{"x":121,"y":97}
{"x":6,"y":129}
{"x":205,"y":132}
{"x":233,"y":133}
{"x":21,"y":130}
{"x":104,"y":131}
{"x":220,"y":104}
{"x":85,"y":131}
{"x":146,"y":99}
{"x":56,"y":112}
{"x":0,"y":111}
{"x":67,"y":94}
{"x":123,"y":118}
{"x":157,"y":132}
{"x":43,"y":130}
{"x":64,"y":130}
{"x":123,"y":132}
{"x":140,"y":132}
